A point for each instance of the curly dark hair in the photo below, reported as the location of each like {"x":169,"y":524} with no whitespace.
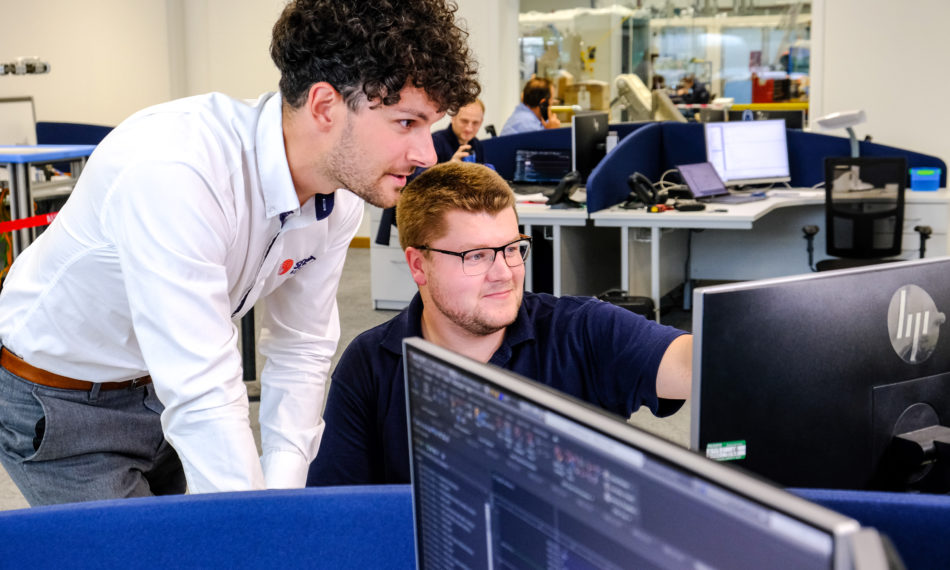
{"x":374,"y":48}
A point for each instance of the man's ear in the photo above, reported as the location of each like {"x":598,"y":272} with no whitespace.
{"x":324,"y":105}
{"x":415,"y":259}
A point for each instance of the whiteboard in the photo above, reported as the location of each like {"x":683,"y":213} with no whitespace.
{"x":17,"y":121}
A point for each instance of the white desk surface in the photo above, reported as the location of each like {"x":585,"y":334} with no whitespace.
{"x":542,"y":215}
{"x":735,"y":216}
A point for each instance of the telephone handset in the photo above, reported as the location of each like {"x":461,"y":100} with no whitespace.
{"x":641,"y":190}
{"x":544,"y":109}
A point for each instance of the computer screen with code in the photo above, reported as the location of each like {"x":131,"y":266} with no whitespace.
{"x":508,"y":473}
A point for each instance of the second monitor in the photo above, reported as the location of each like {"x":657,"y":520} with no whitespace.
{"x":748,"y":152}
{"x":588,"y":147}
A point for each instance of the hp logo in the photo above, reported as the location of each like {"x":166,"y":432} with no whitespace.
{"x":913,"y":324}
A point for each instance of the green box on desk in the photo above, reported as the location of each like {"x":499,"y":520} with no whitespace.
{"x":926,"y":178}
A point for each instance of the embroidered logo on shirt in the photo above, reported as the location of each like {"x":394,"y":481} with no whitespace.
{"x":289,"y":265}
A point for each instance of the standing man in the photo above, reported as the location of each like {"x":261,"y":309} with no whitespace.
{"x":533,"y":113}
{"x":459,"y":230}
{"x":118,"y":323}
{"x":457,"y":142}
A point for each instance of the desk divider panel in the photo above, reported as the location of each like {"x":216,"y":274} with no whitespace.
{"x":654,"y":149}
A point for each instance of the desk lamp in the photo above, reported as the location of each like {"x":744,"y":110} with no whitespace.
{"x":851,"y":180}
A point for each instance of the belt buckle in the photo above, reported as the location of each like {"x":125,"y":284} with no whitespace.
{"x":137,"y":382}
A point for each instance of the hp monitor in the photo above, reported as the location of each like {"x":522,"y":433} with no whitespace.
{"x":507,"y":473}
{"x":837,"y":380}
{"x":748,"y":152}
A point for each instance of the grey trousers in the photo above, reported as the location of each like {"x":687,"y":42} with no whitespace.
{"x":64,"y":446}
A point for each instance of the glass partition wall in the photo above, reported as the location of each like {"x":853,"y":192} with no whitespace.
{"x":739,"y":52}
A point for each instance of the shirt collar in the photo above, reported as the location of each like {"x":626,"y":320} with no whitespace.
{"x":277,"y":186}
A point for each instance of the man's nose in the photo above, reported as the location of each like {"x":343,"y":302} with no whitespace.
{"x":499,"y":269}
{"x":422,"y":151}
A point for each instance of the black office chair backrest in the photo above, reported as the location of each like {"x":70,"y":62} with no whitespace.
{"x":864,"y":206}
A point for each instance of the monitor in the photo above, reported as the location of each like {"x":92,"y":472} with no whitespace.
{"x":748,"y":152}
{"x":541,"y":166}
{"x":588,"y":141}
{"x":838,"y":379}
{"x":508,"y":473}
{"x":794,"y":119}
{"x":17,"y":121}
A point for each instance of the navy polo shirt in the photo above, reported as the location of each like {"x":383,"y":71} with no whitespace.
{"x":584,"y":347}
{"x":446,"y":143}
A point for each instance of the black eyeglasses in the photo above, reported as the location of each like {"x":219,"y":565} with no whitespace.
{"x":478,"y":261}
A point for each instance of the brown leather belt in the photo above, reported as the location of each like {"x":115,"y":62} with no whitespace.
{"x":16,"y":365}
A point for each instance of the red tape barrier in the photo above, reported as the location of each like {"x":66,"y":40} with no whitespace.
{"x":31,"y":222}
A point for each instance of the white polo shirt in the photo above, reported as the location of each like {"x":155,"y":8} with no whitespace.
{"x":184,"y":217}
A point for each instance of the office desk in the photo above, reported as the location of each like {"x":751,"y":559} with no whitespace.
{"x":541,"y":215}
{"x":17,"y":159}
{"x":755,"y":240}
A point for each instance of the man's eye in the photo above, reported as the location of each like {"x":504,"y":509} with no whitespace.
{"x":406,"y":123}
{"x":476,"y":256}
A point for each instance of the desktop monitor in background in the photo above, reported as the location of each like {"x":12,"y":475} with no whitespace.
{"x":541,"y":166}
{"x":507,"y":473}
{"x":835,"y":380}
{"x":588,"y":141}
{"x":748,"y":152}
{"x":17,"y":121}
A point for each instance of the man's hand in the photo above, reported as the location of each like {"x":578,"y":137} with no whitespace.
{"x":461,"y":153}
{"x":553,"y":122}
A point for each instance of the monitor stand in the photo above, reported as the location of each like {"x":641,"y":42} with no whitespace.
{"x":913,"y":444}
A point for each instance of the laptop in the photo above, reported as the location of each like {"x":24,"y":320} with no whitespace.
{"x":508,"y":473}
{"x":539,"y":171}
{"x":706,"y":185}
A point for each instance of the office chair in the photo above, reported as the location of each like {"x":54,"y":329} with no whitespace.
{"x":864,"y":213}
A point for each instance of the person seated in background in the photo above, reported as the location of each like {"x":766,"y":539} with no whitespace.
{"x":691,"y":91}
{"x":459,"y":230}
{"x":457,"y":142}
{"x":532,"y":113}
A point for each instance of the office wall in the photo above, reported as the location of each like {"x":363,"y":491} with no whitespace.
{"x":886,"y":58}
{"x":109,"y":58}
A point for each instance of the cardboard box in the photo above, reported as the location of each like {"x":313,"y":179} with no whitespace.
{"x":593,"y":95}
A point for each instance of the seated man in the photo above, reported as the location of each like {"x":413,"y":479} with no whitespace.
{"x":532,"y":113}
{"x":459,"y":231}
{"x":457,"y":142}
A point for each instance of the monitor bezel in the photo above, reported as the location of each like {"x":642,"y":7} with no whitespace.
{"x":842,"y":529}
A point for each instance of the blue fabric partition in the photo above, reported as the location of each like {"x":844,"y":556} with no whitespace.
{"x":917,"y":524}
{"x":500,"y":151}
{"x":640,"y":152}
{"x":661,"y":146}
{"x":331,"y":527}
{"x":70,"y":133}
